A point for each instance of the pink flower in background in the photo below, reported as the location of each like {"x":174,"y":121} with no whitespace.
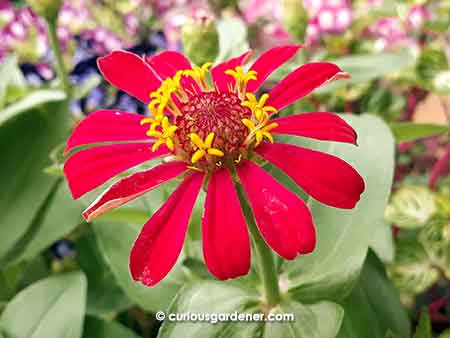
{"x":330,"y":16}
{"x":417,"y":16}
{"x":267,"y":15}
{"x":387,"y":32}
{"x":213,"y":130}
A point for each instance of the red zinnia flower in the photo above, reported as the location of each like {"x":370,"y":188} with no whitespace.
{"x":216,"y":134}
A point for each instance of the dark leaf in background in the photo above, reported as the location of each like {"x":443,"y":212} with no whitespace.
{"x":373,"y":309}
{"x":36,"y":124}
{"x":98,"y":328}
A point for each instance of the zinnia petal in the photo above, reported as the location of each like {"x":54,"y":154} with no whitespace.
{"x":303,"y":81}
{"x":226,"y":244}
{"x":87,"y":169}
{"x":107,"y":126}
{"x":224,"y":81}
{"x":270,"y":61}
{"x":130,"y":73}
{"x":132,"y":187}
{"x":159,"y":244}
{"x":321,"y":126}
{"x":283,"y":219}
{"x":325,"y":177}
{"x":167,"y":63}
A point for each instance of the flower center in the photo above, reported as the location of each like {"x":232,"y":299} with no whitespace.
{"x":212,"y":112}
{"x":206,"y":128}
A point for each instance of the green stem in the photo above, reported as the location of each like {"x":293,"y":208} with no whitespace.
{"x":56,"y":48}
{"x":264,"y":256}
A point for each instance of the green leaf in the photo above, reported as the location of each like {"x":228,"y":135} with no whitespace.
{"x":35,"y":125}
{"x":104,"y":297}
{"x":365,"y":68}
{"x":408,"y":131}
{"x":13,"y":84}
{"x":382,"y":242}
{"x":412,"y":271}
{"x":343,"y":236}
{"x":97,"y":328}
{"x":213,"y":299}
{"x":53,"y":307}
{"x":424,"y":328}
{"x":320,"y":320}
{"x":373,"y":308}
{"x":115,"y":242}
{"x":232,"y":38}
{"x":31,"y":102}
{"x":62,"y":217}
{"x":411,"y":207}
{"x":86,"y":87}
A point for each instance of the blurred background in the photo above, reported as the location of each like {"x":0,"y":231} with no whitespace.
{"x":396,"y":51}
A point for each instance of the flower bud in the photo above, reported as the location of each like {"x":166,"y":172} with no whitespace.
{"x":46,"y":8}
{"x":295,"y":18}
{"x":200,"y":40}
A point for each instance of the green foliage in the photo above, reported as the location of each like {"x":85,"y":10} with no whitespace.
{"x":97,"y":328}
{"x":343,"y":236}
{"x":40,"y":120}
{"x":42,"y":311}
{"x":424,"y":328}
{"x":411,"y":207}
{"x":200,"y":41}
{"x":411,"y":271}
{"x":232,"y":38}
{"x":408,"y":131}
{"x":373,"y":308}
{"x":321,"y":320}
{"x":115,"y":240}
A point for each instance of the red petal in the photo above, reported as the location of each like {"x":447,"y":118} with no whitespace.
{"x":321,"y":126}
{"x":87,"y":169}
{"x":167,"y":63}
{"x":159,"y":244}
{"x":107,"y":126}
{"x":303,"y":81}
{"x":222,"y":80}
{"x":325,"y":177}
{"x":130,"y":73}
{"x":270,"y":61}
{"x":226,"y":244}
{"x":132,"y":187}
{"x":283,"y":219}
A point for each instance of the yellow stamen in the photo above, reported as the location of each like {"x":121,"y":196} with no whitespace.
{"x":204,"y":147}
{"x":165,"y":136}
{"x":241,"y":78}
{"x":259,"y":131}
{"x":199,"y":74}
{"x":258,"y":108}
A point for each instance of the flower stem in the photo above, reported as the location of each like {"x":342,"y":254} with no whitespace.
{"x":56,"y":48}
{"x":265,"y":259}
